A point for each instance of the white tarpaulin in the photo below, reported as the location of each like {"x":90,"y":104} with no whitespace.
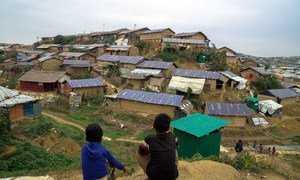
{"x":182,"y":84}
{"x":242,"y":81}
{"x":259,"y":121}
{"x":268,"y":106}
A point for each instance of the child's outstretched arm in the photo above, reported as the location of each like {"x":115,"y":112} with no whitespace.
{"x":113,"y":161}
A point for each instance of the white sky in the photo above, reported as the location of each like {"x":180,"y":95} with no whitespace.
{"x":256,"y":27}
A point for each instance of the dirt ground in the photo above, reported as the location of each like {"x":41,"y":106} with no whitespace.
{"x":54,"y":143}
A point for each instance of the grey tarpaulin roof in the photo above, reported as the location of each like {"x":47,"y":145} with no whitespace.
{"x":155,"y":64}
{"x":227,"y":109}
{"x":155,"y":31}
{"x":77,"y":62}
{"x":121,"y":59}
{"x":83,"y":83}
{"x":151,"y":98}
{"x":71,"y":54}
{"x":281,"y":93}
{"x":196,"y":73}
{"x":183,"y":41}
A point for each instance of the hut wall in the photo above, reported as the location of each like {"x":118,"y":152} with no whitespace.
{"x":146,"y":108}
{"x":137,"y":84}
{"x":88,"y":57}
{"x":250,"y":74}
{"x":28,"y":109}
{"x":16,"y":112}
{"x":133,"y":51}
{"x":31,"y":86}
{"x":37,"y":109}
{"x":232,"y":61}
{"x":264,"y":97}
{"x":210,"y":84}
{"x":51,"y":65}
{"x":88,"y":92}
{"x":77,"y":71}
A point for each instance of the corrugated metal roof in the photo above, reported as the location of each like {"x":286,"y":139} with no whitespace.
{"x":119,"y":48}
{"x":155,"y":64}
{"x":71,"y":54}
{"x":227,"y":109}
{"x":199,"y":124}
{"x":42,"y":76}
{"x":42,"y":59}
{"x":196,"y":73}
{"x":151,"y":98}
{"x":184,"y":41}
{"x":260,"y":70}
{"x":121,"y":59}
{"x":283,"y":93}
{"x":9,"y":98}
{"x":24,"y":64}
{"x":46,"y":46}
{"x":77,"y":62}
{"x":185,"y":34}
{"x":155,"y":31}
{"x":84,"y":83}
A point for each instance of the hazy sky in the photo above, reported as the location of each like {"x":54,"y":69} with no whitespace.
{"x":256,"y":27}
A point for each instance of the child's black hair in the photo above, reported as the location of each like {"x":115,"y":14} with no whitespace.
{"x":162,"y":123}
{"x":94,"y":133}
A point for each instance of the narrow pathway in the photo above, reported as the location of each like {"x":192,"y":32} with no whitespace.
{"x":63,"y":121}
{"x":81,"y":127}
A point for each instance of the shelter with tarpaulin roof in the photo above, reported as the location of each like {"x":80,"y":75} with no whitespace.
{"x":165,"y":67}
{"x":123,"y":50}
{"x":270,"y":108}
{"x":85,"y":87}
{"x":151,"y":103}
{"x":236,"y":113}
{"x":252,"y":73}
{"x":198,"y":134}
{"x":232,"y":80}
{"x":281,"y":96}
{"x":77,"y":68}
{"x":231,"y":58}
{"x":212,"y":80}
{"x":77,"y":55}
{"x":18,"y":105}
{"x":129,"y":62}
{"x":155,"y":36}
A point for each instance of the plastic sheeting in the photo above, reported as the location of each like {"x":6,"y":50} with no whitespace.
{"x":259,"y":121}
{"x":182,"y":84}
{"x":268,"y":106}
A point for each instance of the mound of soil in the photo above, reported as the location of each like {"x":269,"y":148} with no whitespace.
{"x":197,"y":171}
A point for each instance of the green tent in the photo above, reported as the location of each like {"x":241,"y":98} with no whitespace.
{"x":198,"y":133}
{"x":202,"y":58}
{"x":252,"y":102}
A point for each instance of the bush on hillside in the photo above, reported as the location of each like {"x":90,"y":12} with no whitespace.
{"x":264,"y":83}
{"x":38,"y":127}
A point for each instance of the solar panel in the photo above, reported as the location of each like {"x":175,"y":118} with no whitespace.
{"x":82,"y":83}
{"x":227,"y":109}
{"x":155,"y":64}
{"x":152,"y":98}
{"x":196,"y":73}
{"x":121,"y":59}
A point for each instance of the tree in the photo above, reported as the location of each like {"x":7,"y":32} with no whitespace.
{"x":264,"y":83}
{"x":142,"y":45}
{"x":110,"y":40}
{"x":59,"y":39}
{"x":216,"y":60}
{"x":4,"y":122}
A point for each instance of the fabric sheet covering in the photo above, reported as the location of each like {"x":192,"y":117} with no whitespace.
{"x":182,"y":84}
{"x":268,"y":106}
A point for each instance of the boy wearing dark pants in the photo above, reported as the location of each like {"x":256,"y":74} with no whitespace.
{"x":157,"y":154}
{"x":95,"y":156}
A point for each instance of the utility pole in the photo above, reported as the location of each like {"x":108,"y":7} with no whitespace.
{"x":134,"y":26}
{"x":103,"y":27}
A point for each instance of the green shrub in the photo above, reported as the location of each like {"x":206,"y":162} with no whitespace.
{"x":38,"y":127}
{"x":29,"y":159}
{"x":106,"y":111}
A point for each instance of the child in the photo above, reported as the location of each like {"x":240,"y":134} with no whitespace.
{"x":95,"y":155}
{"x":157,"y":154}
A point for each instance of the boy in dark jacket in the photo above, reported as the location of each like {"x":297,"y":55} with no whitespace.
{"x":157,"y":154}
{"x":95,"y":156}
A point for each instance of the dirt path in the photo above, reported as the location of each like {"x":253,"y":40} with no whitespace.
{"x":63,"y":121}
{"x":81,"y":127}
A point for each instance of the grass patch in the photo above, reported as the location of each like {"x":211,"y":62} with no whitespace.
{"x":144,"y":134}
{"x":31,"y":160}
{"x":11,"y":83}
{"x":127,"y":117}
